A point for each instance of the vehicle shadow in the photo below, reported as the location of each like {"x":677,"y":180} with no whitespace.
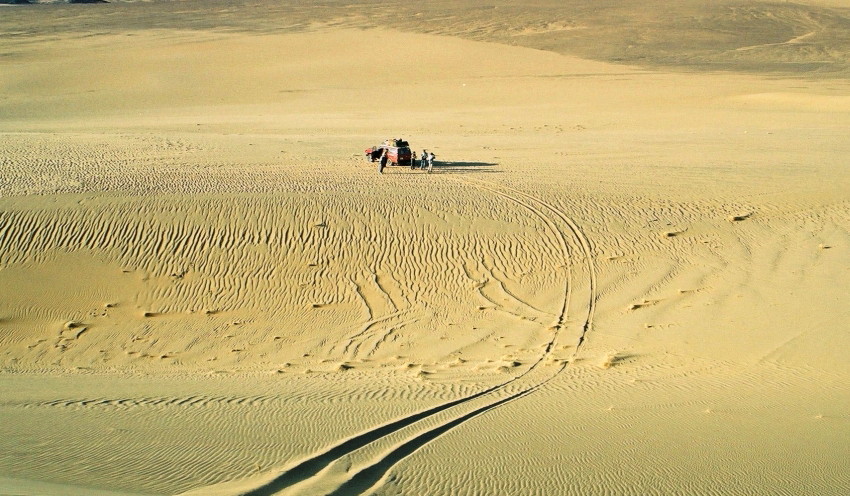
{"x":464,"y":167}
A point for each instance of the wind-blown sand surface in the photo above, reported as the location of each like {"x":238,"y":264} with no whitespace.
{"x":619,"y":279}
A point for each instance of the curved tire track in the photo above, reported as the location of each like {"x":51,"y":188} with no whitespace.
{"x":371,"y":475}
{"x":313,"y":465}
{"x":584,"y":243}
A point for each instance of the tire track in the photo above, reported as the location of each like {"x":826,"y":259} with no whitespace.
{"x":376,"y":328}
{"x":372,"y":477}
{"x":587,"y":252}
{"x":368,"y":476}
{"x":529,"y":201}
{"x":367,"y":330}
{"x":313,"y":465}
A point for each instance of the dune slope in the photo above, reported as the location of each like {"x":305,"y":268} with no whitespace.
{"x":616,"y":280}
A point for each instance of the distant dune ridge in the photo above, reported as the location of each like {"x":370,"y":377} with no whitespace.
{"x":626,"y":273}
{"x":24,"y":2}
{"x":753,"y":36}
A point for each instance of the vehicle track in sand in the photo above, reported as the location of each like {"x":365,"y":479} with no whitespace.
{"x":540,"y":209}
{"x":379,"y":327}
{"x":361,"y":464}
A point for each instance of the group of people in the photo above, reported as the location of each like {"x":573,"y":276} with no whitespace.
{"x":381,"y":154}
{"x":426,"y":160}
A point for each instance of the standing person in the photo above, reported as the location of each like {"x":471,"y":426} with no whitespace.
{"x":413,"y":160}
{"x":431,"y":158}
{"x":424,"y":158}
{"x":383,"y":161}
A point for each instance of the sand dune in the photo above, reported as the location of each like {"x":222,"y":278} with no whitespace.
{"x":618,"y":279}
{"x":806,"y":36}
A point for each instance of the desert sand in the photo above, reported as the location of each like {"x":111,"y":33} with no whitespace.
{"x":627,"y":274}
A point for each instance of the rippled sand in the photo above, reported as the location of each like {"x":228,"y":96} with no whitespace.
{"x":618,"y":279}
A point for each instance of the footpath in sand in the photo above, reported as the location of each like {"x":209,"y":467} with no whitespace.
{"x":616,"y":281}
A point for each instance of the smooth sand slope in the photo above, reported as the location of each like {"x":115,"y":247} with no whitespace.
{"x":619,"y":279}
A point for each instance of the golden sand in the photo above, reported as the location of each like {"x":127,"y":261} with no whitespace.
{"x":618,"y":279}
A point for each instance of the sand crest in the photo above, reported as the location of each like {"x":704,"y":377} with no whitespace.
{"x":618,"y":278}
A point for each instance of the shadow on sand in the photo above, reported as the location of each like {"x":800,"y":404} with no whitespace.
{"x":463,"y":167}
